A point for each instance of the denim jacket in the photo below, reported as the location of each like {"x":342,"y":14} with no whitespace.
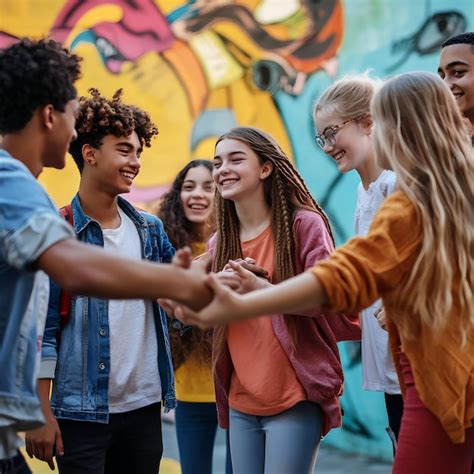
{"x":80,"y":363}
{"x":29,"y":225}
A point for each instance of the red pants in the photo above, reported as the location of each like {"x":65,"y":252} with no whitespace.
{"x":423,"y":445}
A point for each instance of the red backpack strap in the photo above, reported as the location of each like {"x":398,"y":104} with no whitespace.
{"x":65,"y":297}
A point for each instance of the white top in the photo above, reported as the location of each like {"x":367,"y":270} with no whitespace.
{"x":134,"y":380}
{"x":378,"y":371}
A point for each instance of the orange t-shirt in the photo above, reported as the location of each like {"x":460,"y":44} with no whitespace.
{"x":263,"y":382}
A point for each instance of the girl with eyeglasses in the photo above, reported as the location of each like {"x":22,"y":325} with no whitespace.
{"x":344,"y":126}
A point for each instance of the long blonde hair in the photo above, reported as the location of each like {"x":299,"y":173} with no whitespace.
{"x":420,"y":133}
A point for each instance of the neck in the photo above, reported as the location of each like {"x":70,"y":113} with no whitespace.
{"x":369,"y":171}
{"x":254,"y":217}
{"x":99,"y":205}
{"x":200,"y":232}
{"x":25,"y":148}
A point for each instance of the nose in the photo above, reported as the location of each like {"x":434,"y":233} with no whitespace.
{"x":135,"y":163}
{"x":74,"y":134}
{"x":328,"y":146}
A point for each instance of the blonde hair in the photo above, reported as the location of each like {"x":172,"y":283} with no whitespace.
{"x":421,"y":134}
{"x":348,"y":97}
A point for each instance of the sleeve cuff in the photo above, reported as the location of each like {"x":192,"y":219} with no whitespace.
{"x":47,"y":369}
{"x":41,"y":231}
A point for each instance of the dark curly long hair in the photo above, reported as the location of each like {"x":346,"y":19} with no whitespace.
{"x":99,"y":117}
{"x":34,"y":74}
{"x":181,"y":234}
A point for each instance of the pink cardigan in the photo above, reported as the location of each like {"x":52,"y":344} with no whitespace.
{"x":316,"y":359}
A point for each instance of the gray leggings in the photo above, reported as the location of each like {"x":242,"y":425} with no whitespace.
{"x":286,"y":443}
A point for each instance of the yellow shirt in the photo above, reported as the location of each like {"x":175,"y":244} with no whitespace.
{"x":379,"y":265}
{"x":193,"y":378}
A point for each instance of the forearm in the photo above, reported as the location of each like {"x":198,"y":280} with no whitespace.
{"x":89,"y":270}
{"x":296,"y":294}
{"x":44,"y":387}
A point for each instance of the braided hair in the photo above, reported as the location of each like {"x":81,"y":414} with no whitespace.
{"x":285,"y":192}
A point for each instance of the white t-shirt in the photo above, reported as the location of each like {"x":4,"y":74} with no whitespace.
{"x":378,"y":371}
{"x":134,"y":380}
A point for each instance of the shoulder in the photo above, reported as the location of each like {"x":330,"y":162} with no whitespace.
{"x":305,"y":218}
{"x":310,"y":230}
{"x":396,"y":216}
{"x":388,"y":182}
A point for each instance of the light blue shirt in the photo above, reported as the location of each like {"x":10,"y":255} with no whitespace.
{"x":29,"y":225}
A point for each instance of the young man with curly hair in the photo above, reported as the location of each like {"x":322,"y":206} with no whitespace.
{"x":38,"y":109}
{"x":113,"y":365}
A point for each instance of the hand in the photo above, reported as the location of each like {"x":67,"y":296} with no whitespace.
{"x":168,"y":306}
{"x":46,"y":442}
{"x":196,"y":293}
{"x":250,"y":264}
{"x":381,"y":319}
{"x":182,"y":258}
{"x":243,"y":280}
{"x":224,"y":302}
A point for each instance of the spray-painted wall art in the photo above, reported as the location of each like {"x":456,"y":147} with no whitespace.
{"x":200,"y":67}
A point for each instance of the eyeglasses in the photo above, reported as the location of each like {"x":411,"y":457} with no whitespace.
{"x":329,"y":133}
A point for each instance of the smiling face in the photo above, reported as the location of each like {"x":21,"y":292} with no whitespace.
{"x":238,"y":172}
{"x":456,"y":68}
{"x":353,"y":143}
{"x":115,"y":164}
{"x":197,"y":195}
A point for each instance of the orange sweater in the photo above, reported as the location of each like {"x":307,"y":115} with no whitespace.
{"x":379,"y":265}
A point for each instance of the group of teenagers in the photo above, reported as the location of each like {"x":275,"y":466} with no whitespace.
{"x":234,"y":293}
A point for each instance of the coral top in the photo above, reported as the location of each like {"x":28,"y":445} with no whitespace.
{"x":263,"y":382}
{"x":379,"y":265}
{"x":193,"y":378}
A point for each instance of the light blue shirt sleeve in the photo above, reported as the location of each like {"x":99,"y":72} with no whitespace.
{"x":29,"y":221}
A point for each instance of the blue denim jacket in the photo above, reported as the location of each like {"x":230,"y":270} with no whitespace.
{"x":29,"y":225}
{"x":80,"y":367}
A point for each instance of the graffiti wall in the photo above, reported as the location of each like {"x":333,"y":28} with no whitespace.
{"x":202,"y":66}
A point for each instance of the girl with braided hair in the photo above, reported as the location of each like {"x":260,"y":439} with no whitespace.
{"x":278,"y":377}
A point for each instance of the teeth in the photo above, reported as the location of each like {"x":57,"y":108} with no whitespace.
{"x":127,"y":175}
{"x":339,"y":155}
{"x":228,"y":181}
{"x":198,"y":207}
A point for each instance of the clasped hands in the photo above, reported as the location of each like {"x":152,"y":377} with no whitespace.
{"x":238,"y":277}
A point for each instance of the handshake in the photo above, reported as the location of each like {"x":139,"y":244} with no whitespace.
{"x":213,"y":298}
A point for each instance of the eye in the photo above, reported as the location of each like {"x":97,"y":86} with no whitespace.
{"x":458,"y":73}
{"x":216,"y":164}
{"x":124,"y":151}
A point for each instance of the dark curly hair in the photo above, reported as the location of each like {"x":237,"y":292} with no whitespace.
{"x":34,"y":73}
{"x":180,"y":233}
{"x":99,"y":117}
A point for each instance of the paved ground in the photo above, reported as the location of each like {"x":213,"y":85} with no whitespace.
{"x":330,"y":460}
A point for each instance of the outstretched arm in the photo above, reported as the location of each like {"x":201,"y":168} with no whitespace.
{"x":296,"y":294}
{"x":86,"y":269}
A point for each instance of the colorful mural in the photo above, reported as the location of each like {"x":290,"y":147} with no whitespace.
{"x":202,"y":66}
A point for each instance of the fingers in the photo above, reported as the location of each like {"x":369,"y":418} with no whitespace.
{"x":230,"y":279}
{"x":204,"y":262}
{"x":167,"y":305}
{"x":187,"y":316}
{"x":183,"y":258}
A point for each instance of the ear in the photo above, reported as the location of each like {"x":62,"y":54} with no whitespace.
{"x":266,"y":170}
{"x":366,"y":123}
{"x":47,"y":116}
{"x":88,"y":155}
